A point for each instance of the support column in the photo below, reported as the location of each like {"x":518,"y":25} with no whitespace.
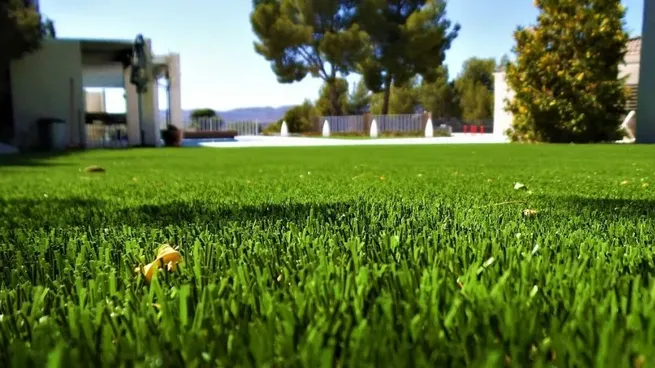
{"x":150,"y":113}
{"x":646,"y":94}
{"x":131,"y":110}
{"x":175,"y":101}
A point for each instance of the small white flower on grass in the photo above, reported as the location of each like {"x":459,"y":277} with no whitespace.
{"x":534,"y":291}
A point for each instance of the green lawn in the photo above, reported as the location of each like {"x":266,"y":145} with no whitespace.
{"x":334,"y":256}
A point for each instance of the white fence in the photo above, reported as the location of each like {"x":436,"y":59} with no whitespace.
{"x":249,"y":127}
{"x":399,"y":123}
{"x":386,"y":123}
{"x":345,"y":124}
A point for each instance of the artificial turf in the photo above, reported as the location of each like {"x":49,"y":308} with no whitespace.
{"x":335,"y":256}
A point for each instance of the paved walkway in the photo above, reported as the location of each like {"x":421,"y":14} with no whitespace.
{"x":272,"y":141}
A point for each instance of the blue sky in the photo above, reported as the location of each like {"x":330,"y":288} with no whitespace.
{"x":219,"y":66}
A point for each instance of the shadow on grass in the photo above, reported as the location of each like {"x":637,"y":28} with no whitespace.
{"x":77,"y":212}
{"x":606,"y":208}
{"x":80,"y":212}
{"x":32,"y":159}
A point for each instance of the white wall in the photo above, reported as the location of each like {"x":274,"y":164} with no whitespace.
{"x":48,"y":84}
{"x":502,"y":118}
{"x":95,"y":101}
{"x":103,"y":76}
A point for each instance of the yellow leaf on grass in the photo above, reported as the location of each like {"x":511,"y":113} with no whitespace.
{"x":166,"y":257}
{"x":530,"y":212}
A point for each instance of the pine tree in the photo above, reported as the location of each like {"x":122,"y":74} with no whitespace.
{"x":360,"y":99}
{"x":409,"y":38}
{"x":301,"y":37}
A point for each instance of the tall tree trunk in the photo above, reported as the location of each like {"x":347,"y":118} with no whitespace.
{"x":6,"y":105}
{"x":387,"y":94}
{"x":335,"y":108}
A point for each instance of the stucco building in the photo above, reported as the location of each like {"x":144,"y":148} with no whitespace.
{"x":51,"y":82}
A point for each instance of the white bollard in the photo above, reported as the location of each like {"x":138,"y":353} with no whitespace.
{"x":326,"y":129}
{"x":374,"y":129}
{"x":284,"y":131}
{"x":629,"y":126}
{"x":429,"y":129}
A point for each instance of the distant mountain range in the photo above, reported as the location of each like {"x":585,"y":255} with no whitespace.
{"x":264,"y":115}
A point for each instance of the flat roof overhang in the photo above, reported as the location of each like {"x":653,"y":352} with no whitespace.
{"x":98,"y":51}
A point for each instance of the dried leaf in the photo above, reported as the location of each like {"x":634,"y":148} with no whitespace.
{"x":94,"y":169}
{"x":530,"y":212}
{"x":166,"y":256}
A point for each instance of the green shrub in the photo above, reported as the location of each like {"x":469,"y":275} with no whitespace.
{"x":565,"y":77}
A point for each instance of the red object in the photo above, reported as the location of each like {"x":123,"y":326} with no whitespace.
{"x":465,"y":128}
{"x":481,"y":129}
{"x":474,"y":129}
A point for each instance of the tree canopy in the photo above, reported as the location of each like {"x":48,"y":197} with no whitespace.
{"x":21,"y":28}
{"x":565,"y":76}
{"x":408,"y":38}
{"x":309,"y":37}
{"x":300,"y":118}
{"x":203,"y":113}
{"x":439,"y":96}
{"x":323,"y":105}
{"x":360,"y":99}
{"x":475,"y":87}
{"x":404,"y":99}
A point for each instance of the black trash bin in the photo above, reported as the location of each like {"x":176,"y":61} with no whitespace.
{"x":52,"y":134}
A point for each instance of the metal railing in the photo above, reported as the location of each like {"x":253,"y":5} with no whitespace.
{"x":399,"y":123}
{"x":344,"y":124}
{"x":105,"y":136}
{"x":247,"y":127}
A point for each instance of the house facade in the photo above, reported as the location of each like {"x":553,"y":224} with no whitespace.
{"x":52,"y":81}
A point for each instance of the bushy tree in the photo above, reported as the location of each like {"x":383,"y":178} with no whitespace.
{"x":565,"y":76}
{"x":475,"y":87}
{"x":360,"y":99}
{"x":300,"y":118}
{"x":315,"y":37}
{"x":439,"y":96}
{"x":203,"y":113}
{"x":409,"y":38}
{"x":404,"y":99}
{"x":324,"y":103}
